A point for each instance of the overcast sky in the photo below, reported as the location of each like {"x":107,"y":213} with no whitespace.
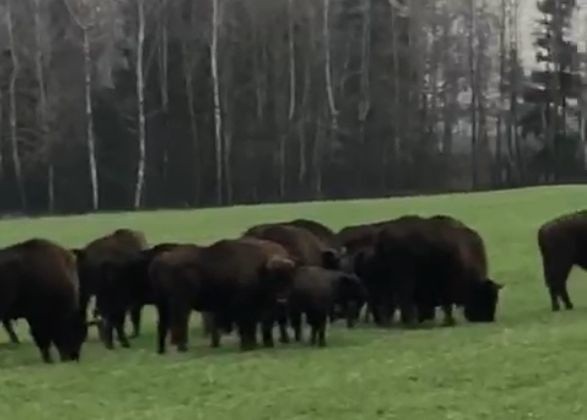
{"x":529,"y":14}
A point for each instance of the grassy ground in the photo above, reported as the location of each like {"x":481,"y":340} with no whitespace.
{"x":530,"y":365}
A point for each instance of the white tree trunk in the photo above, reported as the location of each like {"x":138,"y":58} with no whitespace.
{"x":292,"y":99}
{"x":141,"y":106}
{"x":189,"y":87}
{"x":163,"y":59}
{"x":327,"y":65}
{"x":42,"y":107}
{"x":91,"y":143}
{"x":217,"y":105}
{"x":365,"y":102}
{"x":13,"y":112}
{"x":90,"y":120}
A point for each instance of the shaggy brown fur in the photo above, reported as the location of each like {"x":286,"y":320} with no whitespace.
{"x":563,"y":244}
{"x":39,"y":282}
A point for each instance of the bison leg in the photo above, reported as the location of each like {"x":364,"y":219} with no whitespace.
{"x":283,"y":334}
{"x":208,"y":323}
{"x":449,"y":320}
{"x":135,"y":319}
{"x":267,"y":331}
{"x":296,"y":324}
{"x":162,"y":327}
{"x":214,"y":335}
{"x":42,"y":338}
{"x":179,"y":331}
{"x":10,"y":331}
{"x":564,"y":294}
{"x":121,"y":334}
{"x":556,"y":275}
{"x":107,"y":333}
{"x":320,"y":328}
{"x":247,"y":331}
{"x":407,"y":313}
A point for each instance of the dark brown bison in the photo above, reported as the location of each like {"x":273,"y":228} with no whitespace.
{"x":39,"y":282}
{"x":315,"y":291}
{"x":359,"y":243}
{"x":425,"y":263}
{"x":322,"y":232}
{"x":103,"y":266}
{"x":238,"y":281}
{"x":563,"y":244}
{"x":303,"y":246}
{"x":135,"y":281}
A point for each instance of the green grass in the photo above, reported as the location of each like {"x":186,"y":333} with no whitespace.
{"x":531,"y":364}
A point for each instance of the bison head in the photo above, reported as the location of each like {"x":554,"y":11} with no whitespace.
{"x":278,"y":275}
{"x":482,"y":301}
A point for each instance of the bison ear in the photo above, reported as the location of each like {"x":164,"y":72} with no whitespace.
{"x":330,"y":259}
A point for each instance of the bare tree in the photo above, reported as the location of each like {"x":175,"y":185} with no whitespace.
{"x":218,"y":142}
{"x":472,"y":30}
{"x":42,"y":107}
{"x":328,"y":65}
{"x":189,"y":62}
{"x":86,"y":23}
{"x":141,"y":105}
{"x":13,"y":102}
{"x":365,"y":101}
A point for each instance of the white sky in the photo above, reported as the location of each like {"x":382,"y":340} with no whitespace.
{"x":529,"y":13}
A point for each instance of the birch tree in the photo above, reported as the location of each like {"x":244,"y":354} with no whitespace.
{"x":138,"y":198}
{"x":218,"y":138}
{"x":86,"y":21}
{"x":12,"y":106}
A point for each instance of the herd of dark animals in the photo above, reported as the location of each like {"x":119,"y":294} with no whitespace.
{"x":273,"y":275}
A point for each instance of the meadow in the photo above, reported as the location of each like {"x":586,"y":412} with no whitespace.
{"x":530,"y":364}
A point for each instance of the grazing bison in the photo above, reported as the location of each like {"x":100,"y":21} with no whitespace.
{"x":563,"y":244}
{"x":103,"y":267}
{"x":39,"y":282}
{"x":435,"y":262}
{"x":305,"y":247}
{"x":314,"y":292}
{"x":238,"y":281}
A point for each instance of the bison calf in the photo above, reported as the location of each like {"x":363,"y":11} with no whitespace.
{"x":314,"y":292}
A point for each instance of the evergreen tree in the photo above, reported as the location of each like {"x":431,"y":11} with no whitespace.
{"x":552,"y":86}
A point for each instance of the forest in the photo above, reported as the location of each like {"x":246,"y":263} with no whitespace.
{"x":128,"y":104}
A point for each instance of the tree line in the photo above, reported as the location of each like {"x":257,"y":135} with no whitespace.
{"x":116,"y":104}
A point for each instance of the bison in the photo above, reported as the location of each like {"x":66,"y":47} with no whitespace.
{"x":39,"y":282}
{"x":103,"y":266}
{"x":239,"y":281}
{"x":563,"y":244}
{"x":315,"y":291}
{"x":304,"y":246}
{"x":434,"y":262}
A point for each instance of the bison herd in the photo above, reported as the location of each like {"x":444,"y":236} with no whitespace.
{"x":273,"y":275}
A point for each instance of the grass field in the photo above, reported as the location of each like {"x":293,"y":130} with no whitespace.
{"x":531,"y":364}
